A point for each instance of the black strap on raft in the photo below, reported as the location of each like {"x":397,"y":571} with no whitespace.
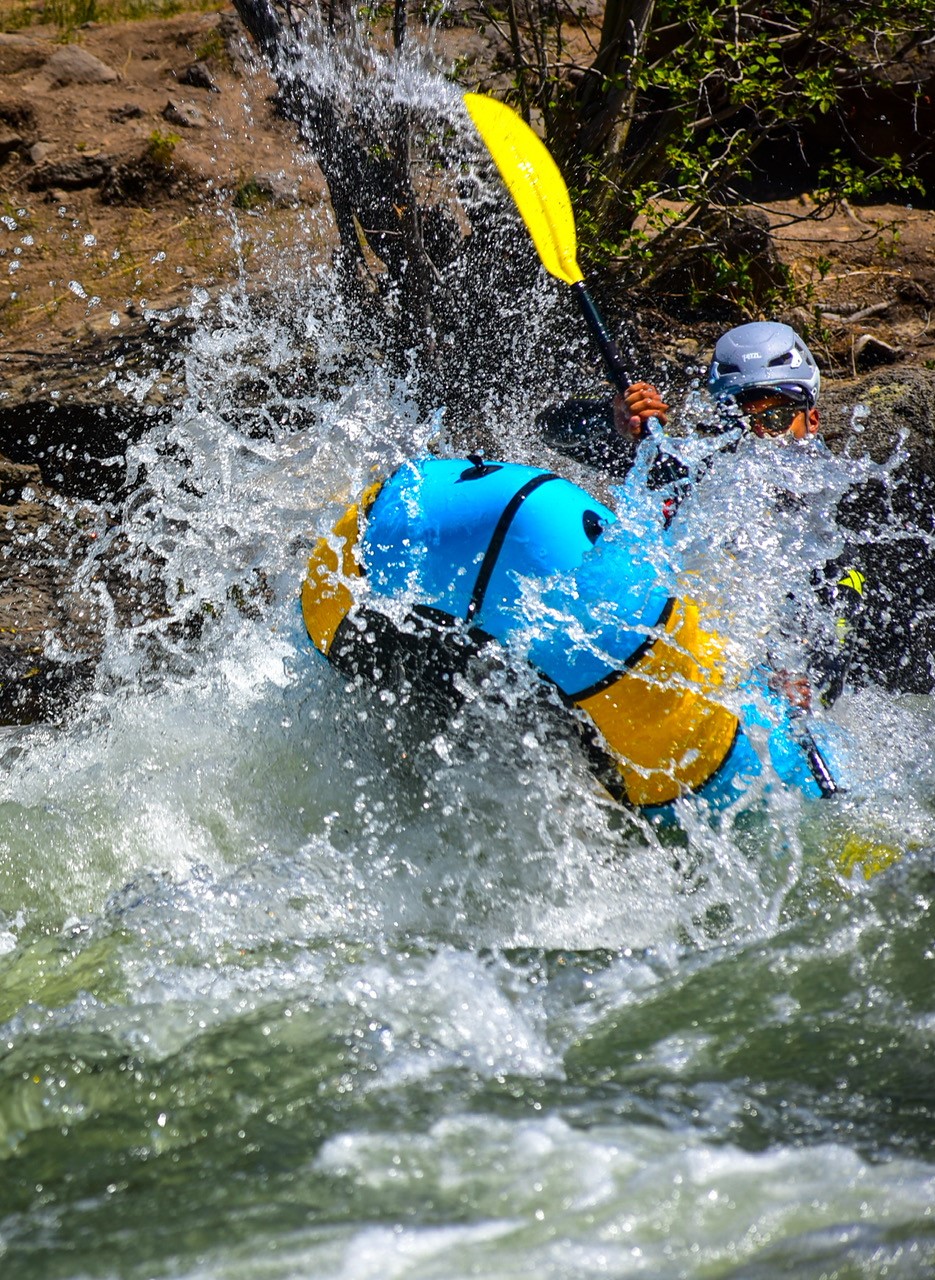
{"x":495,"y":546}
{"x":639,"y":652}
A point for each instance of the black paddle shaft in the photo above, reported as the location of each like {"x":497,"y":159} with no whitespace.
{"x":612,"y":358}
{"x":818,"y":766}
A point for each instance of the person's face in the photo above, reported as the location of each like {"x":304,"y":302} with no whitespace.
{"x":772,"y":414}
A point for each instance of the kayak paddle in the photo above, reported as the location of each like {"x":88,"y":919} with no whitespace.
{"x":533,"y":180}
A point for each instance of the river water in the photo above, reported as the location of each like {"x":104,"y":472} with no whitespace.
{"x":294,"y":986}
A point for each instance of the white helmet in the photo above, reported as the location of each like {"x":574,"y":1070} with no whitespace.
{"x":767,"y":355}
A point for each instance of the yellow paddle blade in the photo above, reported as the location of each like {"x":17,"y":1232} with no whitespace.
{"x":533,"y":180}
{"x":863,"y":855}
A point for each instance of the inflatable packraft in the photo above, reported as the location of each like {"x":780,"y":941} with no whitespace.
{"x":449,"y":555}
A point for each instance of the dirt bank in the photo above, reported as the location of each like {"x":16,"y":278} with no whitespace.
{"x":142,"y":164}
{"x":123,"y":153}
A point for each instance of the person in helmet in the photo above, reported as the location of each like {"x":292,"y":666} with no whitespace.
{"x":763,"y":379}
{"x":762,"y":376}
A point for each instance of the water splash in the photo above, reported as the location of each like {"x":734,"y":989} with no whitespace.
{"x":293,"y":985}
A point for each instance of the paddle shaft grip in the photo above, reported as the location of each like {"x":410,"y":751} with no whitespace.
{"x":818,"y":766}
{"x":612,"y":359}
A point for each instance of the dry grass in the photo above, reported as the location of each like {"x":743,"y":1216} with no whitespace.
{"x":66,"y":16}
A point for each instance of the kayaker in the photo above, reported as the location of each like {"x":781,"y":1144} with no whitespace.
{"x":762,"y":376}
{"x":762,"y":379}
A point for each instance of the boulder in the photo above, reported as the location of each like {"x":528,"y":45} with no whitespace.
{"x":147,"y":176}
{"x":130,"y":111}
{"x":71,"y":175}
{"x":881,"y":412}
{"x":184,"y":115}
{"x":20,"y":53}
{"x":73,"y":65}
{"x":871,"y":351}
{"x":198,"y":76}
{"x":890,"y":417}
{"x":17,"y":128}
{"x":11,"y":142}
{"x":44,"y":543}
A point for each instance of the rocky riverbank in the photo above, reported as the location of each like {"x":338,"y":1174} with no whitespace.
{"x":122,"y":154}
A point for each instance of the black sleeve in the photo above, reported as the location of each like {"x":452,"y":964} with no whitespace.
{"x":835,"y":658}
{"x":584,"y":430}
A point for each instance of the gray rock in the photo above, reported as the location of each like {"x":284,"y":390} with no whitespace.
{"x":11,"y":141}
{"x":890,"y":417}
{"x":276,"y":186}
{"x":17,"y":127}
{"x":73,"y":65}
{"x":51,"y":625}
{"x":183,"y":115}
{"x":15,"y":477}
{"x":71,"y":174}
{"x":43,"y":545}
{"x":231,"y":30}
{"x":40,"y":152}
{"x":199,"y":77}
{"x":871,"y":351}
{"x":881,"y":412}
{"x":132,"y":111}
{"x":20,"y":53}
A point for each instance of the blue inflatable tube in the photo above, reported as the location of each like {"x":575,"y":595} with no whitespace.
{"x":448,"y":555}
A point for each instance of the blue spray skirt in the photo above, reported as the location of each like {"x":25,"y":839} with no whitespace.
{"x":458,"y":553}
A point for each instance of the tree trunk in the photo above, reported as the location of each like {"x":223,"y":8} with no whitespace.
{"x":367,"y":169}
{"x":603,"y":104}
{"x":417,"y":275}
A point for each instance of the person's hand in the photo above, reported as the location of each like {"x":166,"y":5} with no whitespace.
{"x":634,"y":407}
{"x":794,"y":687}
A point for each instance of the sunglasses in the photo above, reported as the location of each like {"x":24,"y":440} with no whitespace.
{"x":770,"y":415}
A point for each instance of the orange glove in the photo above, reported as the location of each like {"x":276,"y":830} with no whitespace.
{"x":634,"y":407}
